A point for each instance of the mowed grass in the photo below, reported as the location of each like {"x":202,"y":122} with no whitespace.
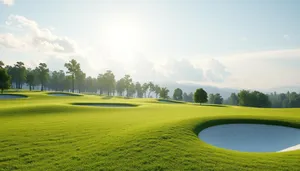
{"x":45,"y":132}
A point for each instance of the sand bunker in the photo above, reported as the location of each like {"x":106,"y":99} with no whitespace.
{"x":12,"y":96}
{"x":112,"y":105}
{"x":168,"y":101}
{"x":252,"y":137}
{"x":63,"y":94}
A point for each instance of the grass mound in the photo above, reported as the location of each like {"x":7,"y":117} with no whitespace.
{"x":47,"y":133}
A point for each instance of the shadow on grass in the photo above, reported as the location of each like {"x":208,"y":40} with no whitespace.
{"x":106,"y":104}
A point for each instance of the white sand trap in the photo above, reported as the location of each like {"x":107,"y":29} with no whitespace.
{"x":296,"y":147}
{"x":11,"y":96}
{"x":252,"y":137}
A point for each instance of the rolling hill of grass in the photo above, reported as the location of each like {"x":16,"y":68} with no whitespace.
{"x":45,"y":132}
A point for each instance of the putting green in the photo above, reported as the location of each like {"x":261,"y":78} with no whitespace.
{"x":47,"y":133}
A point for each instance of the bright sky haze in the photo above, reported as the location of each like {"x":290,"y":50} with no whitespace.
{"x":238,"y":44}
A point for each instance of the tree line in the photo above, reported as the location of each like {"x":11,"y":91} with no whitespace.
{"x":75,"y":80}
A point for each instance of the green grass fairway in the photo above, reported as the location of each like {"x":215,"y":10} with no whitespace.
{"x":45,"y":132}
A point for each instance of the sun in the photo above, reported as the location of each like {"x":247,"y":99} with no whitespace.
{"x":122,"y":35}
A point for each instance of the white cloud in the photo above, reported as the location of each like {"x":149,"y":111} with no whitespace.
{"x":7,"y":2}
{"x":8,"y":40}
{"x":38,"y":38}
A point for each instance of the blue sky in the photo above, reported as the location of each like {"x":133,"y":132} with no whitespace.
{"x":239,"y":44}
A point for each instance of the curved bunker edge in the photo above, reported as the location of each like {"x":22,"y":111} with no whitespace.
{"x":111,"y":105}
{"x":169,"y":101}
{"x":12,"y":96}
{"x":63,"y":94}
{"x":215,"y":122}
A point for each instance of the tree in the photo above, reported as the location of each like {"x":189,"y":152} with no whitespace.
{"x":200,"y":96}
{"x":151,"y":88}
{"x":164,"y":93}
{"x":131,"y":90}
{"x":139,"y":90}
{"x":120,"y":86}
{"x":157,"y":90}
{"x":215,"y":99}
{"x":101,"y":83}
{"x":233,"y":99}
{"x":145,"y":87}
{"x":177,"y":94}
{"x":31,"y":77}
{"x":80,"y":80}
{"x":73,"y":67}
{"x":4,"y":79}
{"x":253,"y":99}
{"x":188,"y":97}
{"x":20,"y":74}
{"x":43,"y":74}
{"x":109,"y":82}
{"x":127,"y":83}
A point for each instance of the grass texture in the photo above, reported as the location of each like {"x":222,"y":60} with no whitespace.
{"x":45,"y":132}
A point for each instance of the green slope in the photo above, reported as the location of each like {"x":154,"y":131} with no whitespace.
{"x":45,"y":132}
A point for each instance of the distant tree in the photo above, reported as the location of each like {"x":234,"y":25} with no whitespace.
{"x":31,"y":78}
{"x":73,"y":67}
{"x":4,"y":79}
{"x":131,"y":90}
{"x":164,"y":93}
{"x":145,"y":87}
{"x":177,"y":94}
{"x":67,"y":83}
{"x":109,"y":82}
{"x":127,"y":84}
{"x":139,"y":90}
{"x":101,"y":83}
{"x":151,"y":88}
{"x":253,"y":99}
{"x":200,"y":96}
{"x":215,"y":99}
{"x":11,"y":71}
{"x":233,"y":99}
{"x":43,"y":74}
{"x":120,"y":86}
{"x":157,"y":90}
{"x":19,"y":74}
{"x":80,"y":79}
{"x":91,"y":84}
{"x":211,"y":98}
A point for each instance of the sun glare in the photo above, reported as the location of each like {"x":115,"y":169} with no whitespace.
{"x":122,"y":35}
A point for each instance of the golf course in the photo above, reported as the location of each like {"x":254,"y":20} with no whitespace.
{"x":42,"y":131}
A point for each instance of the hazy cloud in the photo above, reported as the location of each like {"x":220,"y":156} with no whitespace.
{"x":216,"y":72}
{"x":7,"y":2}
{"x":41,"y":39}
{"x":8,"y":40}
